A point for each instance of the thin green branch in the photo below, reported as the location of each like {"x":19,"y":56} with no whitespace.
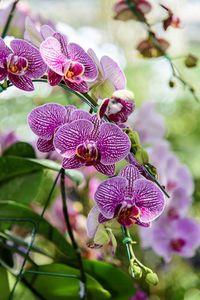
{"x":7,"y":25}
{"x":175,"y":71}
{"x":70,"y":232}
{"x":127,"y":241}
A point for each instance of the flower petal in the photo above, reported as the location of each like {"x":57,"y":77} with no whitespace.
{"x":109,"y":195}
{"x":81,"y":87}
{"x":31,"y":33}
{"x":76,"y":53}
{"x":108,"y":170}
{"x":51,"y":52}
{"x":3,"y":73}
{"x":113,"y":72}
{"x":131,"y":173}
{"x":149,"y":199}
{"x":4,"y":50}
{"x":21,"y":82}
{"x":46,"y":31}
{"x":54,"y":78}
{"x":69,"y":110}
{"x":92,"y":221}
{"x":112,"y":143}
{"x":63,"y":42}
{"x":44,"y":120}
{"x":44,"y":145}
{"x":36,"y":66}
{"x":79,"y":114}
{"x":72,"y":163}
{"x":96,"y":130}
{"x":69,"y":136}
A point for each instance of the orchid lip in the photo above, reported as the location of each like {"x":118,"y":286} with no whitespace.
{"x":87,"y":151}
{"x":73,"y":71}
{"x":17,"y":64}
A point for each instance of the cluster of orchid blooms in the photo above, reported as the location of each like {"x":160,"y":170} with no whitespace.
{"x":84,"y":139}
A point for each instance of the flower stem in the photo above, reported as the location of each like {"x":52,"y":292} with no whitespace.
{"x":127,"y":241}
{"x":70,"y":232}
{"x":7,"y":25}
{"x":175,"y":71}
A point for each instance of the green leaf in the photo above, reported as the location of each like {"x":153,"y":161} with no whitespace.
{"x":4,"y":285}
{"x":118,"y":283}
{"x":22,"y":292}
{"x":21,"y":149}
{"x":63,"y":288}
{"x":19,"y":179}
{"x":9,"y":209}
{"x":23,"y":188}
{"x":74,"y":175}
{"x":12,"y":166}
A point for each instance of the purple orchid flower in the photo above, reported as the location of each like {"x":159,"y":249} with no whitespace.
{"x":89,"y":142}
{"x":110,"y":77}
{"x":69,"y":62}
{"x":130,"y":198}
{"x":181,"y":237}
{"x":21,"y":65}
{"x":118,"y":107}
{"x":46,"y":119}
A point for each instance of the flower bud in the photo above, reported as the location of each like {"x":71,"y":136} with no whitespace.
{"x":137,"y":271}
{"x":152,"y":278}
{"x":142,"y":156}
{"x":171,"y":83}
{"x":151,"y":169}
{"x":191,"y":61}
{"x":125,"y":95}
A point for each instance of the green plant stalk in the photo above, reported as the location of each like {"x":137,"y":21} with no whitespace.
{"x":7,"y":25}
{"x":70,"y":232}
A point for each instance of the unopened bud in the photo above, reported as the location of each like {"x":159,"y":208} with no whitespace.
{"x":191,"y":61}
{"x":142,"y":156}
{"x":123,"y":95}
{"x":134,"y":138}
{"x":151,"y":169}
{"x":152,"y":278}
{"x":137,"y":271}
{"x":171,"y":83}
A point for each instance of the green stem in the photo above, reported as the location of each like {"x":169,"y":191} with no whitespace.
{"x":33,"y":238}
{"x":70,"y":232}
{"x":127,"y":241}
{"x":7,"y":25}
{"x":175,"y":71}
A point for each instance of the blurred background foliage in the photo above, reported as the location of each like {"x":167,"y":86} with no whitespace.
{"x":90,"y":23}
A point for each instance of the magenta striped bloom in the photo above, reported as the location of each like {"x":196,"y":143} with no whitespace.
{"x":68,"y":62}
{"x":87,"y":142}
{"x":130,"y":198}
{"x":21,"y":64}
{"x":45,"y":120}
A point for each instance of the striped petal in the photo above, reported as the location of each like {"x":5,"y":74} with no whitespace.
{"x":113,"y":144}
{"x":51,"y":52}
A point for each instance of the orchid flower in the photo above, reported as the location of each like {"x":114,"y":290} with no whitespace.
{"x":130,"y":198}
{"x":118,"y":107}
{"x":89,"y":142}
{"x":124,"y":13}
{"x":110,"y":77}
{"x":68,"y":62}
{"x":21,"y":64}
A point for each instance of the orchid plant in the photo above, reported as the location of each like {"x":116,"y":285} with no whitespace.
{"x":108,"y":136}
